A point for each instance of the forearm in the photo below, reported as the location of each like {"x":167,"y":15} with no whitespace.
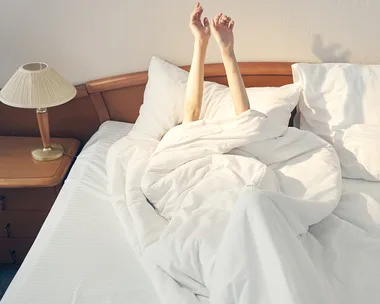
{"x":235,"y":82}
{"x":195,"y":83}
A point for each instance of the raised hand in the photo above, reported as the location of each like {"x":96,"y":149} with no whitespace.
{"x":201,"y":31}
{"x":222,"y":29}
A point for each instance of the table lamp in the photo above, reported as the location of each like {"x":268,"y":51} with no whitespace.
{"x":38,"y":86}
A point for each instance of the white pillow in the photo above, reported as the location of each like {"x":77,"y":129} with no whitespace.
{"x":165,"y":94}
{"x":358,"y":148}
{"x":337,"y":95}
{"x":341,"y":103}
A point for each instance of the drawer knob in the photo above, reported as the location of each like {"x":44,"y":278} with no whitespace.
{"x":12,"y":252}
{"x":2,"y":202}
{"x":7,"y":229}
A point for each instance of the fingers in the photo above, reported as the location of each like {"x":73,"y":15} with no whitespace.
{"x":206,"y":22}
{"x":215,"y":21}
{"x":197,"y":13}
{"x":231,"y":24}
{"x":225,"y":20}
{"x":218,"y":19}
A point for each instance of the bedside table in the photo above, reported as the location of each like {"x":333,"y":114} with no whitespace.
{"x":28,"y":189}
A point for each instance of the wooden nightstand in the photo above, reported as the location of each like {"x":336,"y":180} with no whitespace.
{"x":28,"y":189}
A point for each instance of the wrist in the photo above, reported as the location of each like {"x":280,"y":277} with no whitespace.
{"x":201,"y":42}
{"x":228,"y":52}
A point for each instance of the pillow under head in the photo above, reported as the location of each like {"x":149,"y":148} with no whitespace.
{"x":165,"y":94}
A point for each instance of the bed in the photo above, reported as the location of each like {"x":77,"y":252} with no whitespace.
{"x":82,"y":255}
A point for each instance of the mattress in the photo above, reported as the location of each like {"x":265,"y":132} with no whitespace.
{"x":81,"y":254}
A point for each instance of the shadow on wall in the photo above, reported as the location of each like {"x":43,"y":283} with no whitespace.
{"x":329,"y":52}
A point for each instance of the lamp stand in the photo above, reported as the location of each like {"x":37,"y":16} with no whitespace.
{"x":49,"y":151}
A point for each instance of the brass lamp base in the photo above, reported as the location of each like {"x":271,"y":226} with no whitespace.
{"x":55,"y":151}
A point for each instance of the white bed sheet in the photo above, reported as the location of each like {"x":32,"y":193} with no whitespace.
{"x":348,"y":243}
{"x":81,"y":254}
{"x":353,"y":186}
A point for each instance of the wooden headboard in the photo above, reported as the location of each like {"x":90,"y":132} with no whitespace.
{"x":119,"y":98}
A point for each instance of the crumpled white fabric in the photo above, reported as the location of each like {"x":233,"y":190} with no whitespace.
{"x":358,"y":148}
{"x":231,"y":200}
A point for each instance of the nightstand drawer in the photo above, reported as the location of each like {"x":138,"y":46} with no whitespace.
{"x":36,"y":199}
{"x":13,"y":251}
{"x":21,"y":224}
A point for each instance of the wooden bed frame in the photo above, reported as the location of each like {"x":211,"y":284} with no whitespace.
{"x":119,"y":98}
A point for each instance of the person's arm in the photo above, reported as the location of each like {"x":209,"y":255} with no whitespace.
{"x":235,"y":82}
{"x":195,"y":83}
{"x":194,"y":89}
{"x":222,"y":28}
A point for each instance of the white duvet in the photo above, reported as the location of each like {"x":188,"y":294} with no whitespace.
{"x":220,"y":212}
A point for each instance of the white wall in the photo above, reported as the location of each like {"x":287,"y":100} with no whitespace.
{"x":89,"y":39}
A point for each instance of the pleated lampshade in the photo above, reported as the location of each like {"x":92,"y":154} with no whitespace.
{"x":37,"y":86}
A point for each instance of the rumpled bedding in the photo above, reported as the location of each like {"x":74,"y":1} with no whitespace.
{"x":358,"y":148}
{"x":219,"y":211}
